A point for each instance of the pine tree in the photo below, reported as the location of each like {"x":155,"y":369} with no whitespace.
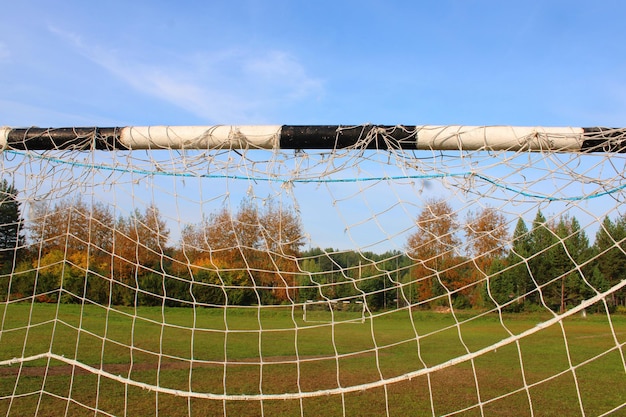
{"x":572,"y":250}
{"x":540,"y":262}
{"x":11,"y":226}
{"x":611,"y":261}
{"x":515,"y":282}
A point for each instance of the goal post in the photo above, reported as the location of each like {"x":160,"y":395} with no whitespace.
{"x":312,"y":270}
{"x":509,"y":138}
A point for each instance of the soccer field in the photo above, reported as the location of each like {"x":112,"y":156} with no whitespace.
{"x":198,"y":357}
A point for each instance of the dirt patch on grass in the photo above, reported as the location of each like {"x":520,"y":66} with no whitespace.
{"x":122,"y":369}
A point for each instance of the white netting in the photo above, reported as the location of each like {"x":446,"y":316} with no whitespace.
{"x":339,"y":282}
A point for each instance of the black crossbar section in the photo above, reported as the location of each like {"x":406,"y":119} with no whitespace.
{"x":340,"y":137}
{"x":604,"y":139}
{"x":65,"y":138}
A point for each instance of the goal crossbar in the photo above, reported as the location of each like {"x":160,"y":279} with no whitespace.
{"x":383,"y":137}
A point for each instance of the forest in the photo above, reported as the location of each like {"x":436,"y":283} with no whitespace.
{"x":74,"y":251}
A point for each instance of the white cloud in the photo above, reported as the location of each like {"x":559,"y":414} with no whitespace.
{"x":229,"y":86}
{"x":281,"y":69}
{"x":20,"y":114}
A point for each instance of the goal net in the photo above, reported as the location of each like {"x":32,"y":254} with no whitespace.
{"x":312,"y":270}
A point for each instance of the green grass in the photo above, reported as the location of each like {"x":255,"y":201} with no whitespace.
{"x":155,"y":346}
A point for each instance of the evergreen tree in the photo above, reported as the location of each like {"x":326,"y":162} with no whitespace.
{"x":572,"y":250}
{"x":515,"y":282}
{"x":611,"y":262}
{"x":11,"y":226}
{"x":540,"y":263}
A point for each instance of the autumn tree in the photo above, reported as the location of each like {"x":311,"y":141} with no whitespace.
{"x":59,"y":226}
{"x":433,"y":248}
{"x":215,"y":266}
{"x":231,"y":239}
{"x":141,"y":238}
{"x":75,"y":244}
{"x":90,"y":244}
{"x":193,"y":243}
{"x":280,"y":240}
{"x":140,"y":242}
{"x":254,"y":247}
{"x":72,"y":226}
{"x":486,"y":239}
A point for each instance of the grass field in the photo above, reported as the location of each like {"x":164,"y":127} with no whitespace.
{"x":573,"y":369}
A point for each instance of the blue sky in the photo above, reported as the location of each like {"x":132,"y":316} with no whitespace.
{"x":295,"y":62}
{"x":123,"y":63}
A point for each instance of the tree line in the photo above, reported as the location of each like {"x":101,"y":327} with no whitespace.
{"x":552,"y":264}
{"x":73,"y":250}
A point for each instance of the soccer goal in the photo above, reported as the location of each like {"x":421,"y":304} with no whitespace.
{"x":312,"y":270}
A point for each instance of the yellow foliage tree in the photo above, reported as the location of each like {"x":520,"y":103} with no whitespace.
{"x":433,"y":248}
